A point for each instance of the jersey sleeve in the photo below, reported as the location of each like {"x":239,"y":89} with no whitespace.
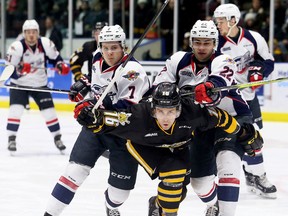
{"x":133,"y":83}
{"x":169,"y":72}
{"x":221,"y":119}
{"x":14,"y":53}
{"x":50,"y":50}
{"x":223,"y":68}
{"x":263,"y":53}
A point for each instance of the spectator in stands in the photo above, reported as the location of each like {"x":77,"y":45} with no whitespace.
{"x":185,"y":43}
{"x":140,"y":21}
{"x":166,"y":27}
{"x":85,"y":19}
{"x":53,"y":33}
{"x":261,"y":14}
{"x":250,"y":22}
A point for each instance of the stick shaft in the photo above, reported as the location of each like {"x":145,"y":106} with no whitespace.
{"x":33,"y":67}
{"x":39,"y":89}
{"x":117,"y":75}
{"x":242,"y":85}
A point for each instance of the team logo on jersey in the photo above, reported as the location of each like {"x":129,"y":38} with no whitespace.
{"x":123,"y":118}
{"x":151,"y":135}
{"x":226,"y":49}
{"x":230,"y":60}
{"x":186,"y":73}
{"x":13,"y":48}
{"x":131,"y":75}
{"x":185,"y":126}
{"x":98,"y":90}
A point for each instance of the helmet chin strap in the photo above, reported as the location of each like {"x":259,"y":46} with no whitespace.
{"x":230,"y":28}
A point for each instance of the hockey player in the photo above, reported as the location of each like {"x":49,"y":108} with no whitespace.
{"x":199,"y":72}
{"x":159,"y":134}
{"x":85,"y":53}
{"x":251,"y":54}
{"x":128,"y":89}
{"x":29,"y":56}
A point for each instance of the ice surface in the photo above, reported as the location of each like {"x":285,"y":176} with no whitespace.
{"x":28,"y":177}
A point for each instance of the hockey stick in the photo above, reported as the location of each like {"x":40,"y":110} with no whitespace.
{"x":43,"y":68}
{"x":242,"y":85}
{"x":38,"y":89}
{"x":6,"y":74}
{"x":8,"y":71}
{"x":117,"y":75}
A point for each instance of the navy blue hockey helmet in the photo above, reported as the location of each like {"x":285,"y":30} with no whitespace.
{"x":166,"y":95}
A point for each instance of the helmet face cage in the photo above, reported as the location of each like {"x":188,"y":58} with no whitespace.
{"x":166,"y":95}
{"x":111,"y":34}
{"x":30,"y":24}
{"x":228,"y":11}
{"x":204,"y":29}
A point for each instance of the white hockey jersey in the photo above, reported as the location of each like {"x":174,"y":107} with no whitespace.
{"x":250,"y":46}
{"x":182,"y":69}
{"x":19,"y":52}
{"x":132,"y":84}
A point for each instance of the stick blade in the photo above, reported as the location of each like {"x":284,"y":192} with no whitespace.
{"x":6,"y":74}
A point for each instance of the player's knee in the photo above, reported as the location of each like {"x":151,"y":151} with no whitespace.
{"x":203,"y":185}
{"x":76,"y":173}
{"x":49,"y":113}
{"x":115,"y":196}
{"x":16,"y":111}
{"x":228,"y":164}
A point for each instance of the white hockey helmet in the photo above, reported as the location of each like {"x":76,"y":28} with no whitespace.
{"x":204,"y":29}
{"x":228,"y":11}
{"x":112,"y":33}
{"x":30,"y":24}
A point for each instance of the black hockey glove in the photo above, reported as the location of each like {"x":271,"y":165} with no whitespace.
{"x":250,"y":139}
{"x":89,"y":118}
{"x":82,"y":104}
{"x":255,"y":72}
{"x":80,"y":89}
{"x":84,"y":115}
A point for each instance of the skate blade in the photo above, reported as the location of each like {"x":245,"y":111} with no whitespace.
{"x":266,"y":195}
{"x":251,"y":189}
{"x":12,"y":153}
{"x":62,"y":152}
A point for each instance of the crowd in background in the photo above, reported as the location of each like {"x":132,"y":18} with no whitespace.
{"x":255,"y":16}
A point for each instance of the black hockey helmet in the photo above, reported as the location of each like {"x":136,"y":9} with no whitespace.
{"x":100,"y":25}
{"x":166,"y":95}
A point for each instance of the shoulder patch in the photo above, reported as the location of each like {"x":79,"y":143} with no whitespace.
{"x":131,"y":75}
{"x":123,"y":118}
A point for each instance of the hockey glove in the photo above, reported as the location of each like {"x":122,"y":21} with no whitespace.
{"x":250,"y":139}
{"x":23,"y":68}
{"x":90,"y":119}
{"x":62,"y":68}
{"x":205,"y":96}
{"x":80,"y":89}
{"x":81,"y":105}
{"x":255,"y":72}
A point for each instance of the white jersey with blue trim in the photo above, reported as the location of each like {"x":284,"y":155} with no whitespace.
{"x":19,"y":52}
{"x":183,"y":69}
{"x":250,"y":46}
{"x":131,"y":85}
